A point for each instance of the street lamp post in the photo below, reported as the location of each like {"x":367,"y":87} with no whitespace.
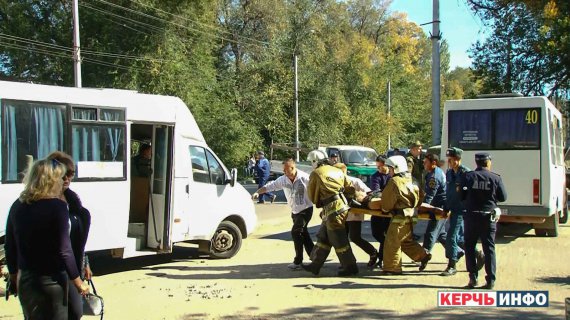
{"x":296,"y":109}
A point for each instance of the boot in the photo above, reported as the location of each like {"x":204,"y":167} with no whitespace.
{"x":318,"y":256}
{"x":373,"y":258}
{"x":348,"y":263}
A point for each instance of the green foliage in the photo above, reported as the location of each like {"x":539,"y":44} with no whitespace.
{"x":529,"y":48}
{"x":231,"y":62}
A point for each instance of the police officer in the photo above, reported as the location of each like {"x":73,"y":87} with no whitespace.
{"x":415,"y":162}
{"x":328,"y":188}
{"x":481,"y":190}
{"x":400,"y":197}
{"x":434,"y":195}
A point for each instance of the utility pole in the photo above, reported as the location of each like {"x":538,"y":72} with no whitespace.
{"x":296,"y":109}
{"x":76,"y":45}
{"x":435,"y":76}
{"x":389,"y":124}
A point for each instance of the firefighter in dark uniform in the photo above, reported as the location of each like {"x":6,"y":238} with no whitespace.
{"x":328,"y":189}
{"x":481,"y":190}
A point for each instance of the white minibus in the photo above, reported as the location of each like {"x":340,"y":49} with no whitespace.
{"x":524,"y":137}
{"x":189,"y":196}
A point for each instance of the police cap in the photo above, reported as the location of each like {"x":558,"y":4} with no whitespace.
{"x":416,"y":144}
{"x":261,"y":153}
{"x":454,"y":152}
{"x":482,"y":156}
{"x":334,"y":154}
{"x":381,"y":158}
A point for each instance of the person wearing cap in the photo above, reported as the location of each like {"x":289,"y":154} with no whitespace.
{"x":434,"y":190}
{"x":328,"y":189}
{"x":400,"y":197}
{"x":333,"y":158}
{"x":294,"y":184}
{"x":379,"y":225}
{"x":262,"y":168}
{"x":415,"y":162}
{"x":481,"y":190}
{"x":454,"y":245}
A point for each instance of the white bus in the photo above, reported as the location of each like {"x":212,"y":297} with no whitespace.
{"x":189,"y":196}
{"x":524,"y":137}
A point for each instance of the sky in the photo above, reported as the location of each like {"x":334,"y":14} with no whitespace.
{"x":459,"y":25}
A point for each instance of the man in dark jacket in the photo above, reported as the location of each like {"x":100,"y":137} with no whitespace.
{"x":262,"y":167}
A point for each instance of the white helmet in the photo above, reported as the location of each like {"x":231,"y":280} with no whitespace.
{"x":315,"y":156}
{"x":399,"y":164}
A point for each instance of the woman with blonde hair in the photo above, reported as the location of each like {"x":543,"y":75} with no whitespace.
{"x":80,"y":222}
{"x":38,"y":247}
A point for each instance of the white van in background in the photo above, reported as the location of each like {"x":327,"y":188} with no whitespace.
{"x":189,"y":196}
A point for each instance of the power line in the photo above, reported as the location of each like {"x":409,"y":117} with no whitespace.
{"x":265,"y":45}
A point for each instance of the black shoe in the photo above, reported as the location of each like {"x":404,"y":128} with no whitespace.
{"x":460,"y":255}
{"x":372,"y":261}
{"x":311,"y":268}
{"x":350,"y":271}
{"x":391,"y":273}
{"x":472,"y":284}
{"x":480,"y":259}
{"x":449,"y":271}
{"x":489,"y":285}
{"x":424,"y":261}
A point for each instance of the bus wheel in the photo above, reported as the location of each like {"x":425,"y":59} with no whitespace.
{"x":226,"y":241}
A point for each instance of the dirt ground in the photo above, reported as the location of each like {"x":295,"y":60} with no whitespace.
{"x":256,"y":284}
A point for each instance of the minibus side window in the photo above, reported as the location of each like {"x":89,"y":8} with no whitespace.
{"x":98,"y":142}
{"x":216,"y":171}
{"x":30,"y":131}
{"x":199,"y":165}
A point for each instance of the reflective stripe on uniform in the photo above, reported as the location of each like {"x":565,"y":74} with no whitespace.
{"x":342,"y":249}
{"x":322,"y":245}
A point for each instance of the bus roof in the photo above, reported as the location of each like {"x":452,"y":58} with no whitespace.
{"x":139,"y":107}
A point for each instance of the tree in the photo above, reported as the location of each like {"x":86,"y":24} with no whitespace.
{"x":529,"y":48}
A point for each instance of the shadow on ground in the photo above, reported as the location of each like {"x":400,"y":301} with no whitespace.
{"x":563,"y":281}
{"x":104,"y":264}
{"x":506,"y":232}
{"x":358,"y":311}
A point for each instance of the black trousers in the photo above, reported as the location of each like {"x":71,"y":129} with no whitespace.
{"x":43,"y":297}
{"x":354,"y":229}
{"x":75,"y":310}
{"x":379,"y":226}
{"x":479,"y":226}
{"x":300,"y":234}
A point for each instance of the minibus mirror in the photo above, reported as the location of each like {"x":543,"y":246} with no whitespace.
{"x":233,"y":177}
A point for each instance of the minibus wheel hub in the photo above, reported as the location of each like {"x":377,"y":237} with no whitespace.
{"x":223,"y":240}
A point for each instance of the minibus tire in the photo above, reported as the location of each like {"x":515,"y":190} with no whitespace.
{"x":226,"y":231}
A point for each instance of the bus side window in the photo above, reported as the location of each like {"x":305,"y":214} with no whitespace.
{"x":30,"y":130}
{"x":199,"y":165}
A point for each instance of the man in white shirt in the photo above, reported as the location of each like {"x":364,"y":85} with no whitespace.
{"x":294,"y":184}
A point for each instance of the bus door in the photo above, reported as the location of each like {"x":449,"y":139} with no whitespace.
{"x":160,"y":214}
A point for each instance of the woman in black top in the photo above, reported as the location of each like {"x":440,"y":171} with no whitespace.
{"x":38,"y":247}
{"x":80,"y":221}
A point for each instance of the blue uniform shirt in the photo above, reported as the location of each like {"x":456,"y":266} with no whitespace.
{"x":482,"y":189}
{"x":454,"y":202}
{"x":435,"y":188}
{"x":262,"y":168}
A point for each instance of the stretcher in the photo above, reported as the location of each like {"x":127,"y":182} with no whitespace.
{"x":422,"y":212}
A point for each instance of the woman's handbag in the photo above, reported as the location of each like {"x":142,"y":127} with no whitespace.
{"x":93,"y":303}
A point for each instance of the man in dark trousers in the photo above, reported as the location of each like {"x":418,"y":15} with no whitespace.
{"x":481,"y":190}
{"x":435,"y":195}
{"x":262,"y":168}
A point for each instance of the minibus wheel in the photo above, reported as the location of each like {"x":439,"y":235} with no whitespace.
{"x":226,"y":241}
